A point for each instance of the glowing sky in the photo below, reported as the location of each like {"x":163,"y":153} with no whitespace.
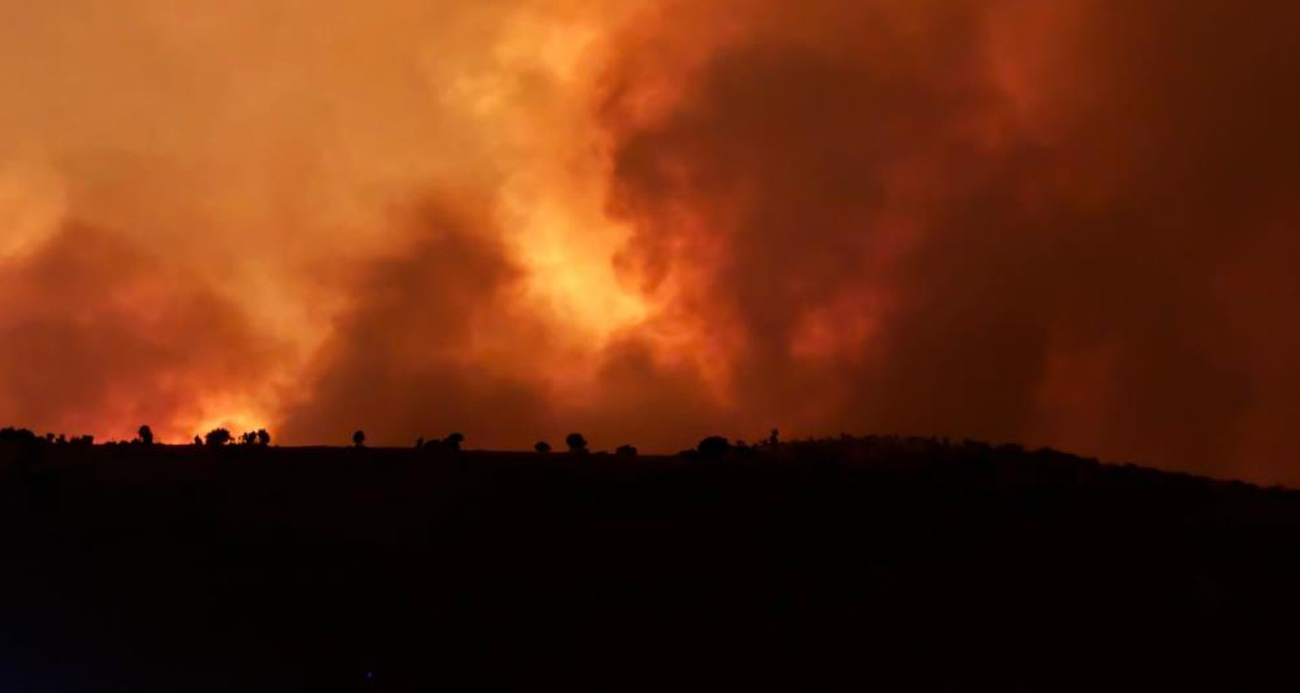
{"x":1070,"y":223}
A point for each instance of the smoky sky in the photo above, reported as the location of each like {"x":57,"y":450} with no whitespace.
{"x":94,"y":327}
{"x":1058,"y":223}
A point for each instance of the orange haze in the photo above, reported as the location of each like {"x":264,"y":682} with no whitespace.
{"x":1067,"y":223}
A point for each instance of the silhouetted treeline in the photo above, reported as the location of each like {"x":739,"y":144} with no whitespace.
{"x":24,"y":437}
{"x":873,"y":562}
{"x":964,"y":461}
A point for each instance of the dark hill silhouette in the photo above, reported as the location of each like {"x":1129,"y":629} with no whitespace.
{"x":859,"y":563}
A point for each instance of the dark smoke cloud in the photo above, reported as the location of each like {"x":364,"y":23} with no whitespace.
{"x":408,"y":358}
{"x":975,"y":251}
{"x":639,"y":397}
{"x":97,"y":328}
{"x":437,"y":340}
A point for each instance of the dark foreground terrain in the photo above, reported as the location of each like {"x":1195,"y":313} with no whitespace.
{"x":868,"y":564}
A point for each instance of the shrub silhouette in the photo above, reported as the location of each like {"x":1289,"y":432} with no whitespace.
{"x":359,"y":439}
{"x":263,"y":437}
{"x":198,"y":441}
{"x":542,"y":447}
{"x":626,"y":451}
{"x":218,"y":437}
{"x":453,"y":441}
{"x":419,"y":443}
{"x":19,"y":436}
{"x":146,"y":435}
{"x":713,"y":447}
{"x":577,"y":444}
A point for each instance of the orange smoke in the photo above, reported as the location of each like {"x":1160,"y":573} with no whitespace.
{"x":1063,"y":223}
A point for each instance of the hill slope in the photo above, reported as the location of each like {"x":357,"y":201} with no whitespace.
{"x":904,"y":563}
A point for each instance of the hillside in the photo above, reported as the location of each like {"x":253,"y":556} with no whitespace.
{"x":906,"y":563}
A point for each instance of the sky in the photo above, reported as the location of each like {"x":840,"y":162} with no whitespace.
{"x":1068,"y":223}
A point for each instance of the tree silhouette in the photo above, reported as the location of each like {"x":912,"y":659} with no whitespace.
{"x":626,"y":451}
{"x":218,"y":437}
{"x":542,"y":447}
{"x":714,"y":447}
{"x":359,"y":439}
{"x":198,"y":440}
{"x":577,"y":444}
{"x":19,"y":435}
{"x":453,"y":441}
{"x":146,"y":435}
{"x":263,"y":437}
{"x":248,"y":438}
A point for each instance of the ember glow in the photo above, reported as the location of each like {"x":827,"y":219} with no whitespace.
{"x":1065,"y":223}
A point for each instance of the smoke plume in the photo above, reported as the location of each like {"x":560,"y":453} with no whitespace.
{"x":1066,"y":223}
